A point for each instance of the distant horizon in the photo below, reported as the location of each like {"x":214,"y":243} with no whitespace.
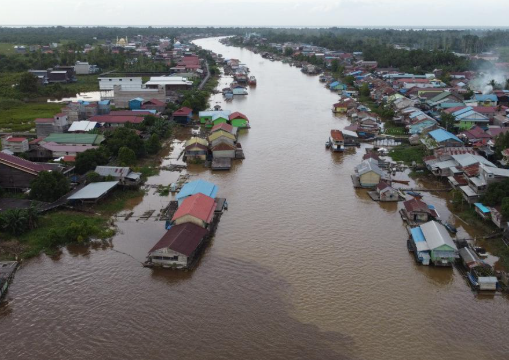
{"x":412,"y":27}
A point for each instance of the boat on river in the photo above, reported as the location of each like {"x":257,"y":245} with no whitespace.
{"x":252,"y":80}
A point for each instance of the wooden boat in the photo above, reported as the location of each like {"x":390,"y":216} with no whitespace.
{"x":450,"y":228}
{"x":252,"y":80}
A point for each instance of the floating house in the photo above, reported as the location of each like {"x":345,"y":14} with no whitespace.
{"x":206,"y":116}
{"x":183,"y":115}
{"x":483,"y":211}
{"x":197,"y":209}
{"x":197,"y":187}
{"x":221,"y":136}
{"x":416,"y":210}
{"x":340,"y":107}
{"x":239,"y":120}
{"x":432,"y":243}
{"x":350,"y":137}
{"x":196,"y":149}
{"x":224,"y":150}
{"x":217,"y":119}
{"x":386,"y":192}
{"x":368,"y":174}
{"x":337,"y":141}
{"x":122,"y":174}
{"x":178,"y":247}
{"x":224,"y":127}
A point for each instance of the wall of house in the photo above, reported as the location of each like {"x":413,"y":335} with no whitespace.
{"x":133,"y":83}
{"x":190,"y":219}
{"x":11,"y":178}
{"x":167,"y":254}
{"x":224,"y":154}
{"x":370,"y":178}
{"x":239,"y":123}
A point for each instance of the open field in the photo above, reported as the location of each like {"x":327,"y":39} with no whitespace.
{"x":16,"y":115}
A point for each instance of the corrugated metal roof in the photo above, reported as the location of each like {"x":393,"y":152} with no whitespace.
{"x":436,"y":235}
{"x":483,"y":208}
{"x":83,"y":125}
{"x":184,"y":239}
{"x":199,"y":206}
{"x":198,"y":186}
{"x":93,"y":191}
{"x":114,"y":171}
{"x":90,"y":139}
{"x":441,"y":135}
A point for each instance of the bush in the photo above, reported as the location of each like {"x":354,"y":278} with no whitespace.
{"x":126,"y":156}
{"x":88,"y":160}
{"x":153,"y":145}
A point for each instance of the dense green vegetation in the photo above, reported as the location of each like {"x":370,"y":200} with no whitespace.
{"x":408,"y":154}
{"x":49,"y":186}
{"x":497,"y":194}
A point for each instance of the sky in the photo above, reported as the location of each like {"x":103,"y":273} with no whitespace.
{"x":322,"y":13}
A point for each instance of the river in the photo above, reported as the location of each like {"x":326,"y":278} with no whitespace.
{"x":303,"y":266}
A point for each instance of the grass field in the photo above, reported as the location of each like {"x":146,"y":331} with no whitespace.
{"x":16,"y":115}
{"x":7,"y":49}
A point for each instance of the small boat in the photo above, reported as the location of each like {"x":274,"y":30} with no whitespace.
{"x":327,"y":145}
{"x":450,"y":228}
{"x":414,"y":194}
{"x":480,"y":251}
{"x":252,"y":80}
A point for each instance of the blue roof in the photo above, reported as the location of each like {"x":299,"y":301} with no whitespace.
{"x":481,"y":207}
{"x":195,"y":187}
{"x":335,"y":83}
{"x":441,"y":135}
{"x":104,"y":102}
{"x":462,"y":111}
{"x":417,"y":234}
{"x":491,"y":97}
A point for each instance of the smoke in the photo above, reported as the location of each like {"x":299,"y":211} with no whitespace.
{"x":485,"y":77}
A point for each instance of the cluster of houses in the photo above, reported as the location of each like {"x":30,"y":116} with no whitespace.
{"x":69,"y":132}
{"x":221,"y":146}
{"x":192,"y":224}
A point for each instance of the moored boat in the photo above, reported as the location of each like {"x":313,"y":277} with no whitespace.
{"x":252,"y":80}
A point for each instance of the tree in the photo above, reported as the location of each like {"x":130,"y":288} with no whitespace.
{"x":149,"y":120}
{"x":501,"y":143}
{"x":153,"y":145}
{"x":364,"y":90}
{"x":161,"y":128}
{"x":124,"y":137}
{"x":49,"y":186}
{"x":89,"y":159}
{"x":93,"y":177}
{"x":126,"y":156}
{"x":14,"y":221}
{"x":505,"y":207}
{"x":288,"y":51}
{"x":28,"y":83}
{"x":448,"y":121}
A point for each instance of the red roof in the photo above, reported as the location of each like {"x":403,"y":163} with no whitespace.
{"x":341,"y":105}
{"x":111,"y":119}
{"x":416,"y":205}
{"x":41,"y":120}
{"x":69,"y":158}
{"x":199,"y":206}
{"x":382,"y":185}
{"x":16,"y":139}
{"x":223,"y":146}
{"x":154,"y":102}
{"x":485,"y":109}
{"x":336,"y":135}
{"x":129,"y":113}
{"x":238,"y":115}
{"x":371,"y":155}
{"x":35,"y":141}
{"x":184,"y":111}
{"x":184,"y":239}
{"x":222,"y":126}
{"x":22,"y":164}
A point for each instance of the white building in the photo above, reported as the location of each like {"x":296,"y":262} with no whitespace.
{"x":126,"y":83}
{"x":84,"y":68}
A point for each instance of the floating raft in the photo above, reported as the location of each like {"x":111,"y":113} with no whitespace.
{"x":221,"y":164}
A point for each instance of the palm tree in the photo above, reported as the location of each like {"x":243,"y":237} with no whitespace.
{"x":15,"y":221}
{"x":32,"y":217}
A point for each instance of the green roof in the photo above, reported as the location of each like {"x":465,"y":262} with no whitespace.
{"x":88,"y":139}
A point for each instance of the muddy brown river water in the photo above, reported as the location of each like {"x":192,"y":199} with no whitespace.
{"x":303,"y":266}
